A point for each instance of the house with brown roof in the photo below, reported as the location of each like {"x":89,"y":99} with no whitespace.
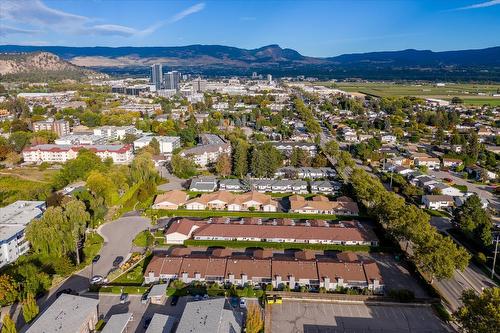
{"x":181,"y":230}
{"x":223,"y":200}
{"x":343,"y":234}
{"x":170,"y":200}
{"x":304,"y":269}
{"x":322,"y":205}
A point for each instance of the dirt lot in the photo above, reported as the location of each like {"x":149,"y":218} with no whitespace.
{"x":315,"y":317}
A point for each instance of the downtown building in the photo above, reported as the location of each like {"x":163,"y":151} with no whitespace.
{"x":156,"y":76}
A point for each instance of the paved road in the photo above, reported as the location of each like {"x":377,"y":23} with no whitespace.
{"x":483,"y":191}
{"x":471,"y":278}
{"x":174,"y":183}
{"x":118,"y":236}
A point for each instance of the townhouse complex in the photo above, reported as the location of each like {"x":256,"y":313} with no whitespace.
{"x":277,"y":230}
{"x":262,"y":267}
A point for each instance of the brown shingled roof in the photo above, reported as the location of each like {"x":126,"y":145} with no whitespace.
{"x":176,"y":197}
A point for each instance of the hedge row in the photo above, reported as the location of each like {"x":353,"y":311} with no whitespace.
{"x":270,"y":215}
{"x":281,"y":246}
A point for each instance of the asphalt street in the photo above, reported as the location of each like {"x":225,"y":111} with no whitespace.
{"x":118,"y":236}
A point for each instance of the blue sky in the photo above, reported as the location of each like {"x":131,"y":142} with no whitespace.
{"x":314,"y":28}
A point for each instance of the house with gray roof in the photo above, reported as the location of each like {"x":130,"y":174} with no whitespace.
{"x":213,"y":315}
{"x":203,"y":184}
{"x":68,"y":314}
{"x":325,"y":186}
{"x":233,"y":185}
{"x":280,"y":186}
{"x":161,"y":323}
{"x":118,"y":323}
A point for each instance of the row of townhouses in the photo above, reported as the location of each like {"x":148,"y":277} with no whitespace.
{"x":262,"y":267}
{"x":281,"y":231}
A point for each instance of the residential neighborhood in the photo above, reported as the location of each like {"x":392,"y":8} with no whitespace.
{"x":249,"y":166}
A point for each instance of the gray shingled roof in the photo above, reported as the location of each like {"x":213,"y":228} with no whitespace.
{"x":65,"y":315}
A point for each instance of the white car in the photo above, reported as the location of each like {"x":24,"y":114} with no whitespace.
{"x":243,"y":304}
{"x":96,"y":279}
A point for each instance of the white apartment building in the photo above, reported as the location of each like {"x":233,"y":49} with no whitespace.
{"x":13,"y":221}
{"x":111,"y":133}
{"x":60,"y":127}
{"x":167,"y":143}
{"x":120,"y":154}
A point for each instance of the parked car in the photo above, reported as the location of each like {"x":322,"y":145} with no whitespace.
{"x":96,"y":258}
{"x":243,"y":304}
{"x":144,"y":298}
{"x":96,"y":279}
{"x":197,"y":297}
{"x":174,"y":300}
{"x":65,"y":291}
{"x":118,"y":260}
{"x":123,"y":298}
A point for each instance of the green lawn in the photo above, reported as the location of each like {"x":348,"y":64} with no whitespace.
{"x":143,"y":239}
{"x":272,"y":245}
{"x":91,"y":247}
{"x":13,"y":188}
{"x":468,"y":92}
{"x":134,"y":276}
{"x":270,"y":215}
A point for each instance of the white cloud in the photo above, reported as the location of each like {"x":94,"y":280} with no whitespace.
{"x":188,"y":11}
{"x":6,"y":30}
{"x":111,"y":29}
{"x":480,"y":5}
{"x":35,"y":13}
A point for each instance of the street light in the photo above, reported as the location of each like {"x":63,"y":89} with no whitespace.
{"x":495,"y":256}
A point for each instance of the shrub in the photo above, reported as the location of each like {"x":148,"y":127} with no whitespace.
{"x":402,"y":295}
{"x":480,"y":258}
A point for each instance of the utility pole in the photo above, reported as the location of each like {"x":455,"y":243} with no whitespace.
{"x":495,"y":256}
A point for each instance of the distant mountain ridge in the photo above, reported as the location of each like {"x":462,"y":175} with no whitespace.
{"x":227,"y":60}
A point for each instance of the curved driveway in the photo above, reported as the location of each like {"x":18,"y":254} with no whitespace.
{"x":118,"y":236}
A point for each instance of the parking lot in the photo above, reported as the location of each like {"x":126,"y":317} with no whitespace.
{"x":395,"y":274}
{"x":315,"y":317}
{"x":110,"y":305}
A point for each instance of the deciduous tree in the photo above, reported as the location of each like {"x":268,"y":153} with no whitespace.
{"x":8,"y":325}
{"x":254,"y":323}
{"x":223,"y":165}
{"x":9,"y":290}
{"x":479,"y":313}
{"x":30,"y":308}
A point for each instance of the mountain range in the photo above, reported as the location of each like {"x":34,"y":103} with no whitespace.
{"x":478,"y":64}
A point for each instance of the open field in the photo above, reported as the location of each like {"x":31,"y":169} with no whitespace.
{"x":468,"y":92}
{"x":24,"y":184}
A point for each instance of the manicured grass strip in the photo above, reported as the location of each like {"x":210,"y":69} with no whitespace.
{"x":272,"y":245}
{"x":125,"y":289}
{"x":270,"y":215}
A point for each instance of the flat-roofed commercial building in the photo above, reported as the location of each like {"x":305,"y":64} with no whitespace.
{"x":68,"y":314}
